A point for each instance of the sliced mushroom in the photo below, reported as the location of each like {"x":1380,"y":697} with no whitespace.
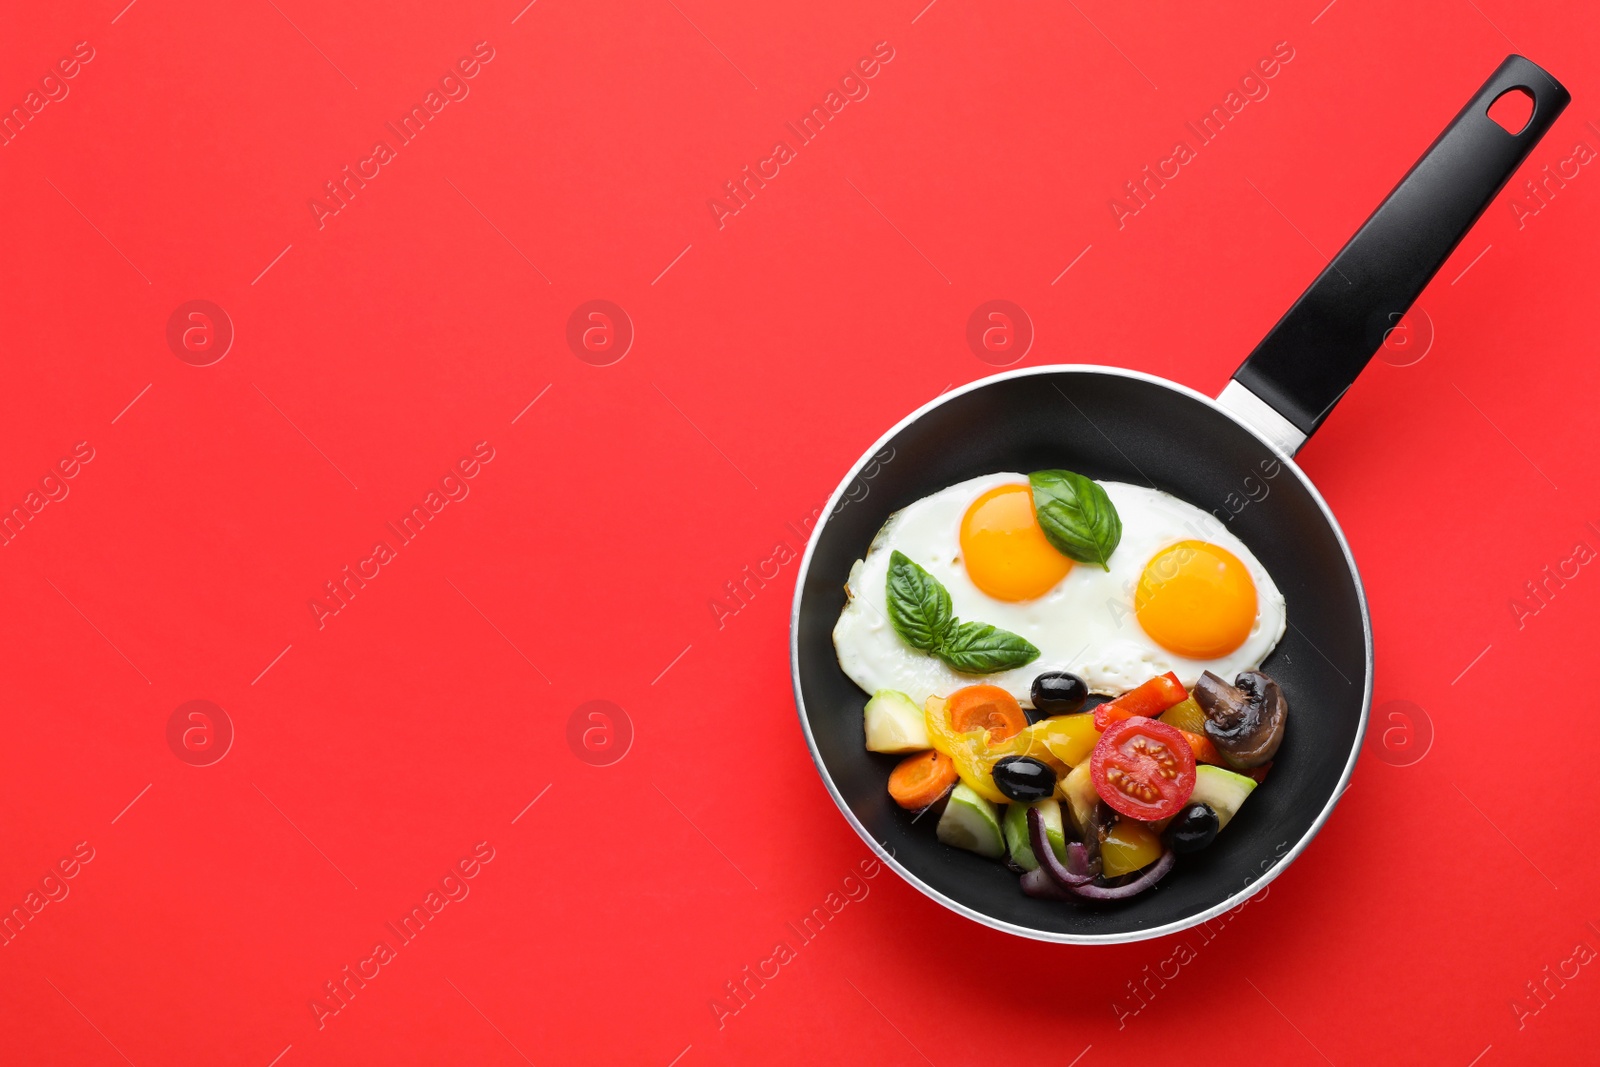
{"x":1244,"y":720}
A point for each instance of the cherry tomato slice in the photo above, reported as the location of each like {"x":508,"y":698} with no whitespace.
{"x":1143,"y":768}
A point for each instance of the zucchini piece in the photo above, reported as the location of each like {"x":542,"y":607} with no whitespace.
{"x":1223,"y":790}
{"x":1015,"y":825}
{"x":972,"y":823}
{"x":894,"y":723}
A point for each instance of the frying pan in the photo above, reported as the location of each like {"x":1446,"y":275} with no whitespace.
{"x":1231,"y":456}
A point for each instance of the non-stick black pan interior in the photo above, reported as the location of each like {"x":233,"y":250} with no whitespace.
{"x":1111,"y":426}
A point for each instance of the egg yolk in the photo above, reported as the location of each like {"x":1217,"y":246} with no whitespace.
{"x":1196,"y":600}
{"x":1004,"y":549}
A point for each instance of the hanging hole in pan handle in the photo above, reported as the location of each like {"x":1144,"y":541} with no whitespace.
{"x":1512,"y":110}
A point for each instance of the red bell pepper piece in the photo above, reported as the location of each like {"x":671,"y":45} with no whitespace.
{"x":1204,"y":750}
{"x":1149,"y":700}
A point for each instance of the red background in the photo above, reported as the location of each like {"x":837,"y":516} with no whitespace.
{"x":380,"y":749}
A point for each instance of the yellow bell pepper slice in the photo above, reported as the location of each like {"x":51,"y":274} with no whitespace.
{"x":969,"y":751}
{"x":1186,"y":716}
{"x":1063,"y":741}
{"x":1128,"y":847}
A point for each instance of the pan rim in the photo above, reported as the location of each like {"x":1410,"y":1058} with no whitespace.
{"x":911,"y":877}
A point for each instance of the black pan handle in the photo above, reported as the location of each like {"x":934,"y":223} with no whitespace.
{"x":1305,"y":364}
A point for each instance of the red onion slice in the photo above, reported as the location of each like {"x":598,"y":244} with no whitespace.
{"x":1153,"y":874}
{"x":1038,"y":883}
{"x":1077,"y":871}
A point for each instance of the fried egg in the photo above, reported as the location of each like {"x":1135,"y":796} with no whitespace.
{"x":1182,"y":594}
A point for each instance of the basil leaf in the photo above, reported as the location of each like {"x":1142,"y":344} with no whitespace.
{"x":919,"y":609}
{"x":978,"y":648}
{"x":1076,"y":515}
{"x":919,"y":606}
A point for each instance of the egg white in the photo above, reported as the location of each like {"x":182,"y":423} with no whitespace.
{"x":1085,"y":624}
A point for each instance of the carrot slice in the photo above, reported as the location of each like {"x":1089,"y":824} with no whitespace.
{"x":921,"y":779}
{"x":986,"y":707}
{"x":1204,"y":750}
